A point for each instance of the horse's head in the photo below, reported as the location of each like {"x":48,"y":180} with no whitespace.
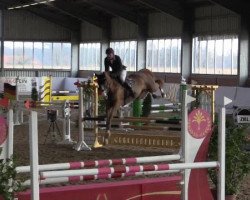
{"x":101,"y":79}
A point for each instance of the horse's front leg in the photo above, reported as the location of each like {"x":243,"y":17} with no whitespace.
{"x":110,"y":114}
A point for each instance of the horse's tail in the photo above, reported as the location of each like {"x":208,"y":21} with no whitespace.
{"x":161,"y":82}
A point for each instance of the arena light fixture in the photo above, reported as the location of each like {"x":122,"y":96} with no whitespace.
{"x":31,"y":4}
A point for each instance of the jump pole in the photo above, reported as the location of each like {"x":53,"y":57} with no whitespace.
{"x":128,"y":169}
{"x":76,"y":179}
{"x":101,"y":163}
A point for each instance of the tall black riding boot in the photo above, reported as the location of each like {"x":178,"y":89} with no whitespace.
{"x":129,"y":89}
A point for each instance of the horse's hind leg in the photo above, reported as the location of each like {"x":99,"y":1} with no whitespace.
{"x":143,"y":94}
{"x":160,"y":84}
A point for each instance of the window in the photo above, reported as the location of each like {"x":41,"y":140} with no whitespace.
{"x":28,"y":55}
{"x":8,"y":54}
{"x":37,"y":55}
{"x":18,"y":54}
{"x":66,"y":55}
{"x":47,"y":55}
{"x":164,"y":55}
{"x":215,"y":55}
{"x":127,"y":51}
{"x":90,"y":54}
{"x":57,"y":55}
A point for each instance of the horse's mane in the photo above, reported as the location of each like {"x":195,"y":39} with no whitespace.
{"x":110,"y":83}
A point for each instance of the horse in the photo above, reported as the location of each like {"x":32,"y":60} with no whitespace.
{"x":142,"y":83}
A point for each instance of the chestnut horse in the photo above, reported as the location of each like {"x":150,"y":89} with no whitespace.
{"x":143,"y":82}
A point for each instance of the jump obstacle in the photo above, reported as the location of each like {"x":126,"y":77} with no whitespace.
{"x":193,"y":154}
{"x":171,"y":141}
{"x":48,"y":95}
{"x":167,"y":141}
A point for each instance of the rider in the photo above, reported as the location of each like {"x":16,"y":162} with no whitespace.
{"x":118,"y":69}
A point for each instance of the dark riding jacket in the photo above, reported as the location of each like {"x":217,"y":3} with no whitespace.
{"x":116,"y":66}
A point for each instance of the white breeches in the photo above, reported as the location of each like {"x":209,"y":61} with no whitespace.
{"x":123,"y":75}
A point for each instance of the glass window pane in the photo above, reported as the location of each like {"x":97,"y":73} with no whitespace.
{"x":235,"y":56}
{"x":126,"y":55}
{"x":179,"y":56}
{"x":127,"y":52}
{"x":90,"y":56}
{"x":38,"y":55}
{"x":8,"y":54}
{"x":196,"y":55}
{"x":174,"y":55}
{"x":47,"y":55}
{"x":210,"y":57}
{"x":133,"y":49}
{"x":203,"y":57}
{"x":215,"y":55}
{"x":155,"y":55}
{"x":28,"y":55}
{"x":18,"y":55}
{"x":149,"y":54}
{"x":161,"y":55}
{"x":57,"y":55}
{"x":227,"y":58}
{"x":81,"y":57}
{"x":98,"y":56}
{"x":66,"y":55}
{"x":168,"y":55}
{"x":164,"y":55}
{"x":218,"y":56}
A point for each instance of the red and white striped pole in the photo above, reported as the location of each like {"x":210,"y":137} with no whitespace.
{"x":101,"y":163}
{"x":75,"y":179}
{"x":127,"y":169}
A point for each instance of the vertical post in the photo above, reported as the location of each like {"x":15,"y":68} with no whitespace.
{"x":186,"y":44}
{"x":184,"y":145}
{"x":81,"y":145}
{"x":17,"y":103}
{"x":10,"y":134}
{"x":184,"y":141}
{"x":68,"y":137}
{"x":243,"y":60}
{"x":2,"y":42}
{"x":81,"y":115}
{"x":96,"y":144}
{"x":33,"y":140}
{"x":50,"y":89}
{"x":222,"y":150}
{"x":66,"y":124}
{"x":21,"y":117}
{"x":213,"y":104}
